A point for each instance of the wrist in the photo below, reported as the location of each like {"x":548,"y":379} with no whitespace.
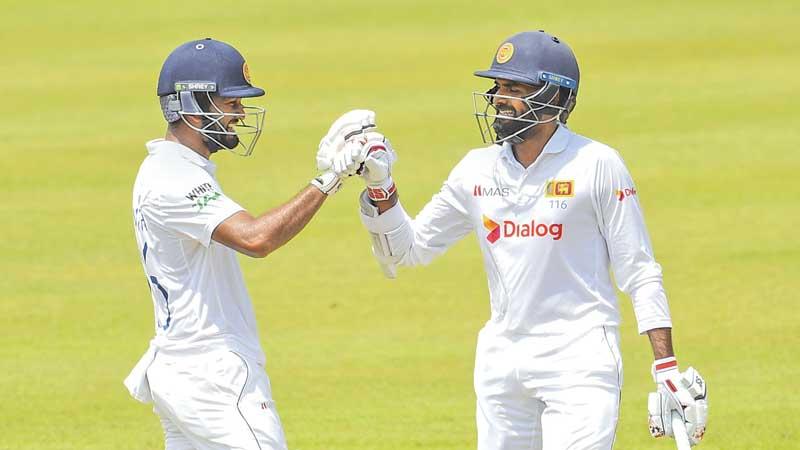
{"x":382,"y":190}
{"x":664,"y":368}
{"x":327,"y":182}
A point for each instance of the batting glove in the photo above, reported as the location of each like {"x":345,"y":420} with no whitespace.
{"x":684,"y":393}
{"x":328,"y":182}
{"x":379,"y":156}
{"x":349,"y":125}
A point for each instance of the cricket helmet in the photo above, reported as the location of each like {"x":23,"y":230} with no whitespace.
{"x":194,"y":71}
{"x":538,"y":59}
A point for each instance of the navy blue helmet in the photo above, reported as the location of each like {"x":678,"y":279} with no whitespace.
{"x":534,"y":58}
{"x":196,"y":70}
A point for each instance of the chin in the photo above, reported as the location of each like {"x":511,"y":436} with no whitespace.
{"x":230,"y":142}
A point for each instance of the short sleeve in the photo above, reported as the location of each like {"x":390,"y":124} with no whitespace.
{"x":193,"y":208}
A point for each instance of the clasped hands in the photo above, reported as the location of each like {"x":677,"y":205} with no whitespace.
{"x":351,"y":147}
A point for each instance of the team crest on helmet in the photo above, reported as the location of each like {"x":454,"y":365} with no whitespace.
{"x":246,"y":72}
{"x":505,"y":52}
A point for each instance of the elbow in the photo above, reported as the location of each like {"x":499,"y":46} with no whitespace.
{"x":261,"y":253}
{"x":257,"y":248}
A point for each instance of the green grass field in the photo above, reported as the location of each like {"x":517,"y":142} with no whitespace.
{"x":700,"y":98}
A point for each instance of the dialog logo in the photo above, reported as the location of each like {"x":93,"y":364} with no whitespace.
{"x":622,"y":194}
{"x":513,"y":229}
{"x":493,"y":228}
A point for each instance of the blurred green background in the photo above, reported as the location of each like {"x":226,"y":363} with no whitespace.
{"x":699,"y":97}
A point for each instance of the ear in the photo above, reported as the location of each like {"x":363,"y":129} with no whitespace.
{"x":571,"y":102}
{"x":195,"y":121}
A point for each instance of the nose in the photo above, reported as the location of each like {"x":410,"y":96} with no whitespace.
{"x":499,"y":101}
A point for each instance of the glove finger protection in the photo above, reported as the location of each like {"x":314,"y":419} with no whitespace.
{"x":350,"y":124}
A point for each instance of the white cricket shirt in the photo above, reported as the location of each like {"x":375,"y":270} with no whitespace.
{"x":199,"y":296}
{"x":549,"y":234}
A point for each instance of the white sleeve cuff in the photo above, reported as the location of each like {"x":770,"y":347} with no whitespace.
{"x":651,"y":307}
{"x":390,"y":220}
{"x":222,"y":216}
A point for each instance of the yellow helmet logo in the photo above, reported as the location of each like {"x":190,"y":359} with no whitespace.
{"x":246,"y":72}
{"x":505,"y":52}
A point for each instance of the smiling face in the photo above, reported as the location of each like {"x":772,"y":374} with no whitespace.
{"x":509,"y":103}
{"x":523,"y":104}
{"x":230,"y":112}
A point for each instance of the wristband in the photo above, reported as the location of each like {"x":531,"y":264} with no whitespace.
{"x":383,"y":191}
{"x":664,"y":368}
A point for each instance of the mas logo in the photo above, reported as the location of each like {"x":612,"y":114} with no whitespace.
{"x":623,"y":193}
{"x":491,"y":191}
{"x":505,"y":52}
{"x":560,"y":188}
{"x":512,"y":229}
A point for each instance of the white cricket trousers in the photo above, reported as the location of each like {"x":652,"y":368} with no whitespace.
{"x":547,"y":393}
{"x":214,"y":401}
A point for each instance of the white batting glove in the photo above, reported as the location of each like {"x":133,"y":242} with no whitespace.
{"x":684,"y":393}
{"x":328,"y":182}
{"x":349,"y":125}
{"x":379,"y":156}
{"x":349,"y":159}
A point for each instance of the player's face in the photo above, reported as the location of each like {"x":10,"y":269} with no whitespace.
{"x":511,"y":107}
{"x":228,"y":105}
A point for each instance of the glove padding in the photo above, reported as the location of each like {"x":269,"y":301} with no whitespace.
{"x":328,"y":182}
{"x":379,"y":156}
{"x":684,"y":393}
{"x":349,"y":125}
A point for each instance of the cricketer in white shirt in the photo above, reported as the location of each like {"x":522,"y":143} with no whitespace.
{"x":554,"y":214}
{"x":204,"y":369}
{"x":206,"y":339}
{"x":549,"y":234}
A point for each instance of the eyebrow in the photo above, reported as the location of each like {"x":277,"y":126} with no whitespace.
{"x":507,"y":83}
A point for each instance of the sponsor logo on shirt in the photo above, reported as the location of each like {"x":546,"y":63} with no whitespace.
{"x":560,"y":188}
{"x":490,"y":191}
{"x":198,"y":191}
{"x":512,"y":229}
{"x":623,"y":193}
{"x":202,"y":195}
{"x":493,"y":228}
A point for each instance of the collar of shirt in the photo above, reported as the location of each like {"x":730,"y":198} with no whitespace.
{"x":163,"y":145}
{"x":557,"y":143}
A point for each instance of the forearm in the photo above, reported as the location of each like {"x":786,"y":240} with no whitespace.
{"x":385,"y":205}
{"x":278,"y":226}
{"x":262,"y":235}
{"x":661,"y":341}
